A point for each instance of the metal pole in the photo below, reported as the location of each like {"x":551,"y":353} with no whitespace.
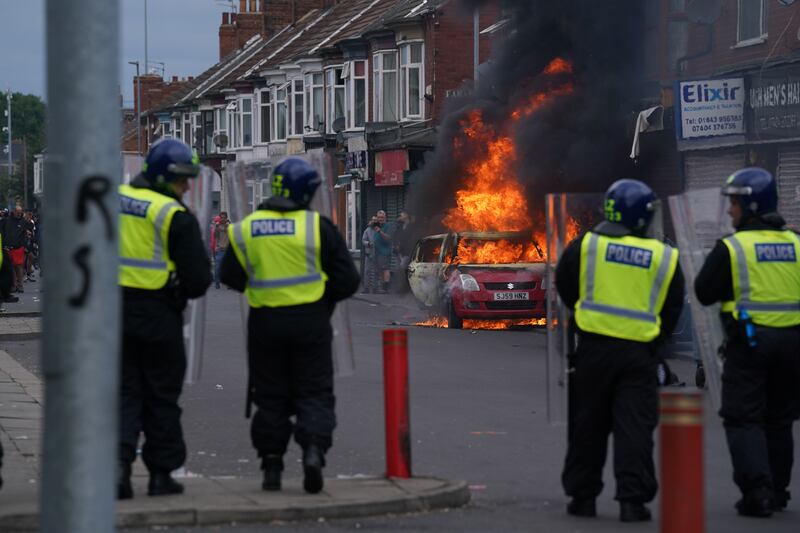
{"x":138,"y":107}
{"x":476,"y":28}
{"x":8,"y":114}
{"x":146,"y":58}
{"x":81,"y":340}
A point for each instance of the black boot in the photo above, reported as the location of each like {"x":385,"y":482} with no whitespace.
{"x":161,"y":484}
{"x":313,"y":461}
{"x":582,"y":507}
{"x":757,"y":503}
{"x":272,"y":465}
{"x":780,"y":500}
{"x":124,"y":487}
{"x":633,"y":512}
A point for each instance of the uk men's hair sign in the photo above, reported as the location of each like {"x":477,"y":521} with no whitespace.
{"x":774,"y":104}
{"x":711,"y":108}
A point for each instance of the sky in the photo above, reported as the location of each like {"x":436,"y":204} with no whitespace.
{"x":183,"y":34}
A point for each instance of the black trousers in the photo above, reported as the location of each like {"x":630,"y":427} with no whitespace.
{"x":613,"y":389}
{"x":760,"y":402}
{"x":291,"y":374}
{"x":153,"y":368}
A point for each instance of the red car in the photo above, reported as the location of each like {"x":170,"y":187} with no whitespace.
{"x":487,"y":276}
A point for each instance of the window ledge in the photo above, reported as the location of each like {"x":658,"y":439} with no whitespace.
{"x":750,"y":42}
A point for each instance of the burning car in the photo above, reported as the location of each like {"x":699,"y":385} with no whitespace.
{"x":480,"y":275}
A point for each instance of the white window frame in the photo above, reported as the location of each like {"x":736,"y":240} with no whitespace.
{"x":379,"y":84}
{"x":243,"y":116}
{"x":264,"y":126}
{"x":351,"y":79}
{"x":232,"y":120}
{"x":314,"y":107}
{"x":406,"y":66}
{"x":295,"y":93}
{"x":220,"y":115}
{"x":758,"y":39}
{"x":166,"y":129}
{"x":331,"y":90}
{"x":277,"y":105}
{"x":186,"y":124}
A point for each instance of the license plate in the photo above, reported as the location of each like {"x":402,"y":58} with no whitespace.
{"x":509,"y":296}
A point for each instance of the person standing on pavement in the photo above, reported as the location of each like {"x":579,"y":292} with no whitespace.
{"x":220,"y":243}
{"x":403,"y":242}
{"x":293,"y":265}
{"x":756,"y":276}
{"x":370,"y":269}
{"x":383,"y":252}
{"x":163,"y":262}
{"x":627,"y":294}
{"x":14,"y":232}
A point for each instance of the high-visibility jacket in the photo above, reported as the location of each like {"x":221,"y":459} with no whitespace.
{"x":623,"y":286}
{"x":281,"y":253}
{"x":145,"y":219}
{"x":766,"y":277}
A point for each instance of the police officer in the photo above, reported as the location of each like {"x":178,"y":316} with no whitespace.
{"x":293,"y":266}
{"x":627,"y":293}
{"x":756,"y":276}
{"x":163,"y":262}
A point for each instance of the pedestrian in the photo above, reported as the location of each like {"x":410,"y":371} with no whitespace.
{"x":220,"y":243}
{"x":403,"y":243}
{"x":293,"y":265}
{"x":627,"y":293}
{"x":383,"y":252}
{"x":754,"y":273}
{"x":6,"y":279}
{"x":370,"y":269}
{"x":163,"y":263}
{"x":14,"y":232}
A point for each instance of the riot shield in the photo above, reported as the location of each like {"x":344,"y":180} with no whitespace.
{"x":237,"y":202}
{"x":198,"y":200}
{"x":567,"y":217}
{"x":699,"y":220}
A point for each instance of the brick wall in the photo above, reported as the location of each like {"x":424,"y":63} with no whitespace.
{"x":782,"y":29}
{"x":155,"y":90}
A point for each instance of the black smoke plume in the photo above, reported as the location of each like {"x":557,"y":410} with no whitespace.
{"x":580,"y":142}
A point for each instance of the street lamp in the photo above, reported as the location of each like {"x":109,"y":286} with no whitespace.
{"x":8,"y":114}
{"x":138,"y":107}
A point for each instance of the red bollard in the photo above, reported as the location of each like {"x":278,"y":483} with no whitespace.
{"x":395,"y":384}
{"x":682,"y":494}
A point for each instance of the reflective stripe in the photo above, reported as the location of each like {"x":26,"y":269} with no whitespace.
{"x":741,"y":262}
{"x":666,"y":263}
{"x":591,"y":266}
{"x":143,"y":263}
{"x":283,"y":282}
{"x":774,"y":306}
{"x":158,"y":223}
{"x":238,"y":236}
{"x":619,"y":311}
{"x":311,"y":250}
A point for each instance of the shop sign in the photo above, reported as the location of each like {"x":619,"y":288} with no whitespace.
{"x":355,"y":160}
{"x":774,"y":104}
{"x":390,"y":168}
{"x":710,"y":108}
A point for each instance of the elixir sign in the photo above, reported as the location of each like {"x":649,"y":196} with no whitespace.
{"x":711,"y":108}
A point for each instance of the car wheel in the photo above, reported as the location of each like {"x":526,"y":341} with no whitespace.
{"x":453,"y":320}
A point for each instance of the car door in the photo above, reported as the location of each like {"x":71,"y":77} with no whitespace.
{"x":424,"y":270}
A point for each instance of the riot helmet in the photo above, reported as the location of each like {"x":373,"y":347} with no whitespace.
{"x":168,"y":160}
{"x":294,"y":182}
{"x":630,"y":203}
{"x":755,"y":188}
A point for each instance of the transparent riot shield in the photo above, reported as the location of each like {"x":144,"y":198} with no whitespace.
{"x":699,"y":220}
{"x":198,"y":200}
{"x":325,"y":203}
{"x":567,"y":217}
{"x":237,"y":200}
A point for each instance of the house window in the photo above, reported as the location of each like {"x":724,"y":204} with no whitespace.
{"x":411,"y":81}
{"x":208,"y":132}
{"x":234,"y":125}
{"x":247,"y":121}
{"x":355,"y":74}
{"x":384,"y":102}
{"x":166,"y":128}
{"x":187,"y":129}
{"x":279,"y":113}
{"x":752,"y":21}
{"x":315,"y":102}
{"x":297,"y":118}
{"x":221,"y":125}
{"x":265,"y":116}
{"x":335,"y":94}
{"x":176,"y":128}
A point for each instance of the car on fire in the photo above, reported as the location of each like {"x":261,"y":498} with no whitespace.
{"x":479,"y":275}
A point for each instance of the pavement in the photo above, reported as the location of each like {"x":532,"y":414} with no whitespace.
{"x":209,"y":499}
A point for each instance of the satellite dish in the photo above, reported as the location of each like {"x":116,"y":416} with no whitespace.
{"x":703,"y":11}
{"x":221,"y":140}
{"x":338,"y":125}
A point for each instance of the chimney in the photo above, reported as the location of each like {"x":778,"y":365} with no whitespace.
{"x":227,"y":34}
{"x":242,"y":6}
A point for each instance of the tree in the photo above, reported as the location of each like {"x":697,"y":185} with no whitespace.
{"x":28,"y":122}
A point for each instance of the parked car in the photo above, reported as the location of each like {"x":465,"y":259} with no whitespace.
{"x":490,"y":275}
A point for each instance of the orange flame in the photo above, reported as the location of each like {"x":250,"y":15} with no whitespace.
{"x":492,"y":198}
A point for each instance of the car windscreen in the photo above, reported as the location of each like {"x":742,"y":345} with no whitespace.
{"x":429,"y":250}
{"x":497,"y":250}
